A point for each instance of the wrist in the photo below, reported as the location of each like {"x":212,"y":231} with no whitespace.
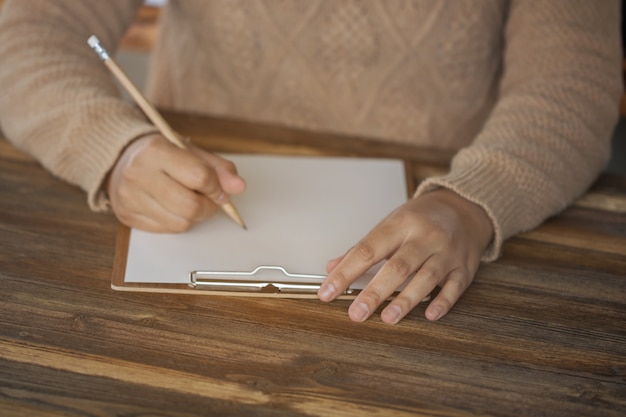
{"x":470,"y":213}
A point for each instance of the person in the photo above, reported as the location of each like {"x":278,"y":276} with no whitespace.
{"x":525,"y":92}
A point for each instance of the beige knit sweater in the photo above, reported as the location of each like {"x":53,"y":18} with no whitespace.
{"x":527,"y":91}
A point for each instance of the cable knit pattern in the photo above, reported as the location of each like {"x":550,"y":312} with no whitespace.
{"x":526,"y":90}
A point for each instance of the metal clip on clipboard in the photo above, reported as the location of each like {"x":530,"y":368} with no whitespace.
{"x":243,"y":282}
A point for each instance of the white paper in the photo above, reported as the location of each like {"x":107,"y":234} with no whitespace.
{"x":300,"y":212}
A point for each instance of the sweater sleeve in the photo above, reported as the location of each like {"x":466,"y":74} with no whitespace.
{"x":548,"y":136}
{"x":59,"y":103}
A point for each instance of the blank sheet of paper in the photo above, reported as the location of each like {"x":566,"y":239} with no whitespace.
{"x":300,"y":213}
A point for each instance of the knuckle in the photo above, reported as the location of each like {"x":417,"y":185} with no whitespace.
{"x":124,"y":218}
{"x":458,"y":281}
{"x":181,"y":225}
{"x":408,"y":217}
{"x":229,"y":166}
{"x":429,"y":275}
{"x":192,"y":207}
{"x":445,"y":302}
{"x":371,"y":297}
{"x":202,"y":178}
{"x":437,"y":235}
{"x":408,"y":220}
{"x":399,"y":266}
{"x":340,"y":278}
{"x":131,"y":173}
{"x":121,"y":195}
{"x":364,"y":250}
{"x":454,"y":286}
{"x":405,"y":301}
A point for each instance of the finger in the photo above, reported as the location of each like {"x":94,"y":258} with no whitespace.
{"x":369,"y":251}
{"x":138,"y":207}
{"x":144,"y":212}
{"x":226,"y":172}
{"x":194,"y":173}
{"x":455,"y":285}
{"x":333,"y":263}
{"x":389,"y":278}
{"x":143,"y":222}
{"x":141,"y":185}
{"x":429,"y":275}
{"x":151,"y":170}
{"x":179,"y":200}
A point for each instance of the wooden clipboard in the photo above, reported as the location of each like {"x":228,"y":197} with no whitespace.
{"x":309,"y":209}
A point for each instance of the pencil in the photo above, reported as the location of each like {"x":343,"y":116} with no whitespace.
{"x":152,"y":114}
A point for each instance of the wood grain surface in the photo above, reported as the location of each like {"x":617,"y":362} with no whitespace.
{"x":541,"y":332}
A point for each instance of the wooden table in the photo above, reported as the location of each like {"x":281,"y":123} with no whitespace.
{"x":541,"y":332}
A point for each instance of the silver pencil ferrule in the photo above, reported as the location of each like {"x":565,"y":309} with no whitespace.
{"x":94,"y":42}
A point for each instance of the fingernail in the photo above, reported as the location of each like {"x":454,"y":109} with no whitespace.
{"x":435,"y":313}
{"x":359,"y":312}
{"x":326,"y":292}
{"x":391,"y":314}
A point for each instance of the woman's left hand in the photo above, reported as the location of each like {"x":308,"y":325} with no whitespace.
{"x":438,"y":237}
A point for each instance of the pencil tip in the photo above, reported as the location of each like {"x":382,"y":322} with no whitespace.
{"x":244,"y":227}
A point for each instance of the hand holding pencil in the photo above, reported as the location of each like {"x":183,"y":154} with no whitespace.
{"x":160,"y":183}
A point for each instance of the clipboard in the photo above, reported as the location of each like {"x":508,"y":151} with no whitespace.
{"x":301,"y":211}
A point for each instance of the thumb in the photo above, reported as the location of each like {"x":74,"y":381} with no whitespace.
{"x":226,"y":172}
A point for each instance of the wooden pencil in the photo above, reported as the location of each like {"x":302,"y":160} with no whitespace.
{"x":152,"y":114}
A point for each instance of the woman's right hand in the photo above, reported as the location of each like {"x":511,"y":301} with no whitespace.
{"x":158,"y":187}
